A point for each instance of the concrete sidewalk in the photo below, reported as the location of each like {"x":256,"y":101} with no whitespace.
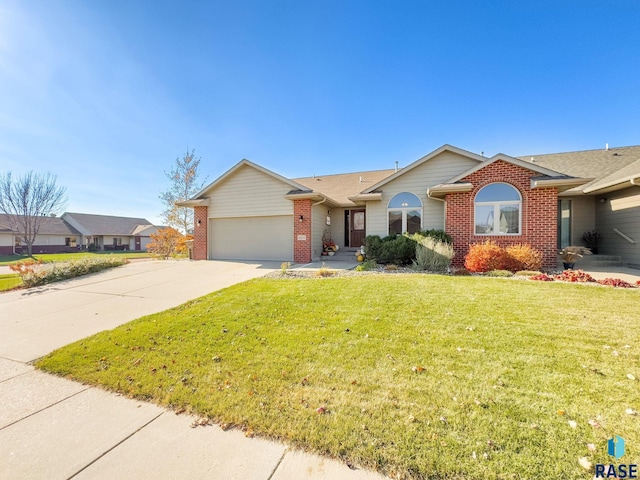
{"x":53,"y":428}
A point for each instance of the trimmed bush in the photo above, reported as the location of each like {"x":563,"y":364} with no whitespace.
{"x":523,"y":257}
{"x":436,"y":234}
{"x":432,"y":255}
{"x":484,"y":257}
{"x":397,"y":249}
{"x":487,"y":256}
{"x":35,"y":274}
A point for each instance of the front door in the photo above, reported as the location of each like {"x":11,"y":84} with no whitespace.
{"x":357,"y":228}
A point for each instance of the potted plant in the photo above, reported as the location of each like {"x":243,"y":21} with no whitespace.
{"x":569,"y":255}
{"x":591,"y":240}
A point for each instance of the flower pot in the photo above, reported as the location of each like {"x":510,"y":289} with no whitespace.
{"x":568,"y":265}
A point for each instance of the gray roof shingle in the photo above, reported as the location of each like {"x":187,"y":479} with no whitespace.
{"x":107,"y":224}
{"x":49,"y":226}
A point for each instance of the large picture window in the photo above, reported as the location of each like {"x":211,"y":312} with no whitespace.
{"x":405,"y":214}
{"x":498,"y":210}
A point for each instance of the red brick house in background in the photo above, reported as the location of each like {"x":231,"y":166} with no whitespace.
{"x":547,"y":201}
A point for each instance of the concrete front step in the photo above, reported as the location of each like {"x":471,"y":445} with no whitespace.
{"x":597,"y":261}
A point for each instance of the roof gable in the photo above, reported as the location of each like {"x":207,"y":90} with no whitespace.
{"x":242,"y":163}
{"x":506,"y":158}
{"x":422,"y":160}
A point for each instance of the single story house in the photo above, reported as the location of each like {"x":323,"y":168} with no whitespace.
{"x":107,"y":232}
{"x":547,"y":201}
{"x":55,"y":236}
{"x":78,"y":231}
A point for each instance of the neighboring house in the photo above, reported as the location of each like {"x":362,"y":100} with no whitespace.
{"x":107,"y":232}
{"x":54,"y":236}
{"x":77,"y":231}
{"x":547,"y":201}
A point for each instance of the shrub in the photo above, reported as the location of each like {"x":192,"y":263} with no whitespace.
{"x":499,"y":273}
{"x":523,"y":257}
{"x":36,"y":274}
{"x":398,"y":249}
{"x":373,"y":246}
{"x":615,"y":282}
{"x":366,"y":266}
{"x":483,"y":257}
{"x":487,"y":256}
{"x":432,"y":254}
{"x":575,"y":276}
{"x":325,"y":271}
{"x":542,"y":277}
{"x":167,"y":242}
{"x":436,"y":234}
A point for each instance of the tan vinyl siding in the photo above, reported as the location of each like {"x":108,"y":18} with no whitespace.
{"x":318,"y":227}
{"x":337,"y":226}
{"x":583,"y":217}
{"x":52,"y":239}
{"x":6,"y":239}
{"x":433,"y":172}
{"x":621,"y":210}
{"x":249,"y":192}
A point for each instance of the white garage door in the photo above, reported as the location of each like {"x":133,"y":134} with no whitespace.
{"x":251,"y":238}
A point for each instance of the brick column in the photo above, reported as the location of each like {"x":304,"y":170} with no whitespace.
{"x":200,"y":233}
{"x":302,"y":231}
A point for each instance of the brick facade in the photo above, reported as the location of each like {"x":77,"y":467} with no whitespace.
{"x":302,"y":231}
{"x":539,"y":213}
{"x":200,"y":233}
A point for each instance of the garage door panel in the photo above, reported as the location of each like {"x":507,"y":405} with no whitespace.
{"x":251,"y":238}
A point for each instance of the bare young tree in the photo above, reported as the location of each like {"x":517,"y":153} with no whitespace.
{"x":184,"y":185}
{"x":28,"y":200}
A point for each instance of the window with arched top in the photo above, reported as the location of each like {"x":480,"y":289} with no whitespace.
{"x":498,"y":210}
{"x":405,"y":213}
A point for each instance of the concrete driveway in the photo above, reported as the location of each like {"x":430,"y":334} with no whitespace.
{"x":58,"y":429}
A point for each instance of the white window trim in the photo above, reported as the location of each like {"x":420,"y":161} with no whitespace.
{"x":404,"y":211}
{"x":496,"y":213}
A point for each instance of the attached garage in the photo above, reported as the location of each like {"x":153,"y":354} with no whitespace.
{"x":251,"y":238}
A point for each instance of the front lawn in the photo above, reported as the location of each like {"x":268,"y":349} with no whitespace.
{"x":9,"y":281}
{"x":65,"y":257}
{"x":418,"y":376}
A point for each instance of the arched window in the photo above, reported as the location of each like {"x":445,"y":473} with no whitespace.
{"x":498,"y":210}
{"x":405,"y":213}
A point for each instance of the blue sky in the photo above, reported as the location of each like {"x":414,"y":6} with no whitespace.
{"x":106,"y":94}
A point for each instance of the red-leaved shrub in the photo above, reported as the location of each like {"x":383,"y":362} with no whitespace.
{"x":543,"y":277}
{"x":575,"y":276}
{"x":523,"y":257}
{"x":487,"y":256}
{"x":484,"y":257}
{"x":615,"y":282}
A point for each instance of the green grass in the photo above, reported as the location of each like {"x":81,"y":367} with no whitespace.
{"x":421,"y":376}
{"x":65,"y":257}
{"x":9,"y":281}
